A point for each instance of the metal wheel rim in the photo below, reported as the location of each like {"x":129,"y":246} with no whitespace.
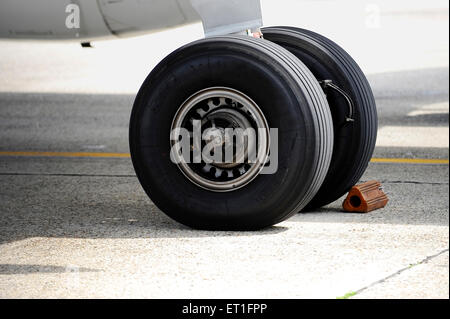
{"x":239,"y":103}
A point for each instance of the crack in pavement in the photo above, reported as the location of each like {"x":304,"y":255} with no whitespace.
{"x":65,"y":175}
{"x":410,"y":182}
{"x":397,"y":273}
{"x":414,"y":182}
{"x":129,"y":175}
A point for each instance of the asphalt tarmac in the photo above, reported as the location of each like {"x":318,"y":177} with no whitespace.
{"x":74,"y":221}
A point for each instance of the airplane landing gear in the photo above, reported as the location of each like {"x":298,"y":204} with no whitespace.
{"x":295,"y":81}
{"x":225,"y":83}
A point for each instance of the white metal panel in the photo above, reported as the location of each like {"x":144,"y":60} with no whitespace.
{"x":46,"y":19}
{"x":128,"y":17}
{"x":228,"y":16}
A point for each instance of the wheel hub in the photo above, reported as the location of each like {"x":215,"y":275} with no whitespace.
{"x":230,"y":124}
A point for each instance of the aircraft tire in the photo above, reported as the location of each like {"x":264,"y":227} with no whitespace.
{"x":222,"y":74}
{"x":354,"y":141}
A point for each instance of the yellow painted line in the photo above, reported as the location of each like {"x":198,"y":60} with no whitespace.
{"x":66,"y":154}
{"x":410,"y":160}
{"x":127,"y":155}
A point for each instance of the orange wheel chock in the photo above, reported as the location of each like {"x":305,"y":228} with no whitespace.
{"x":365,"y":197}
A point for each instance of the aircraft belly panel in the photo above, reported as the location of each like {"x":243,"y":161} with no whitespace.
{"x":48,"y":19}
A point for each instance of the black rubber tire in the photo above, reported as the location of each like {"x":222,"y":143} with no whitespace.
{"x":291,"y":100}
{"x":354,"y":142}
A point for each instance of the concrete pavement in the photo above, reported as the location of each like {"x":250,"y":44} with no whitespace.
{"x":83,"y":227}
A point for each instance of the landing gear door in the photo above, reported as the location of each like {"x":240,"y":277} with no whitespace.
{"x":228,"y":16}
